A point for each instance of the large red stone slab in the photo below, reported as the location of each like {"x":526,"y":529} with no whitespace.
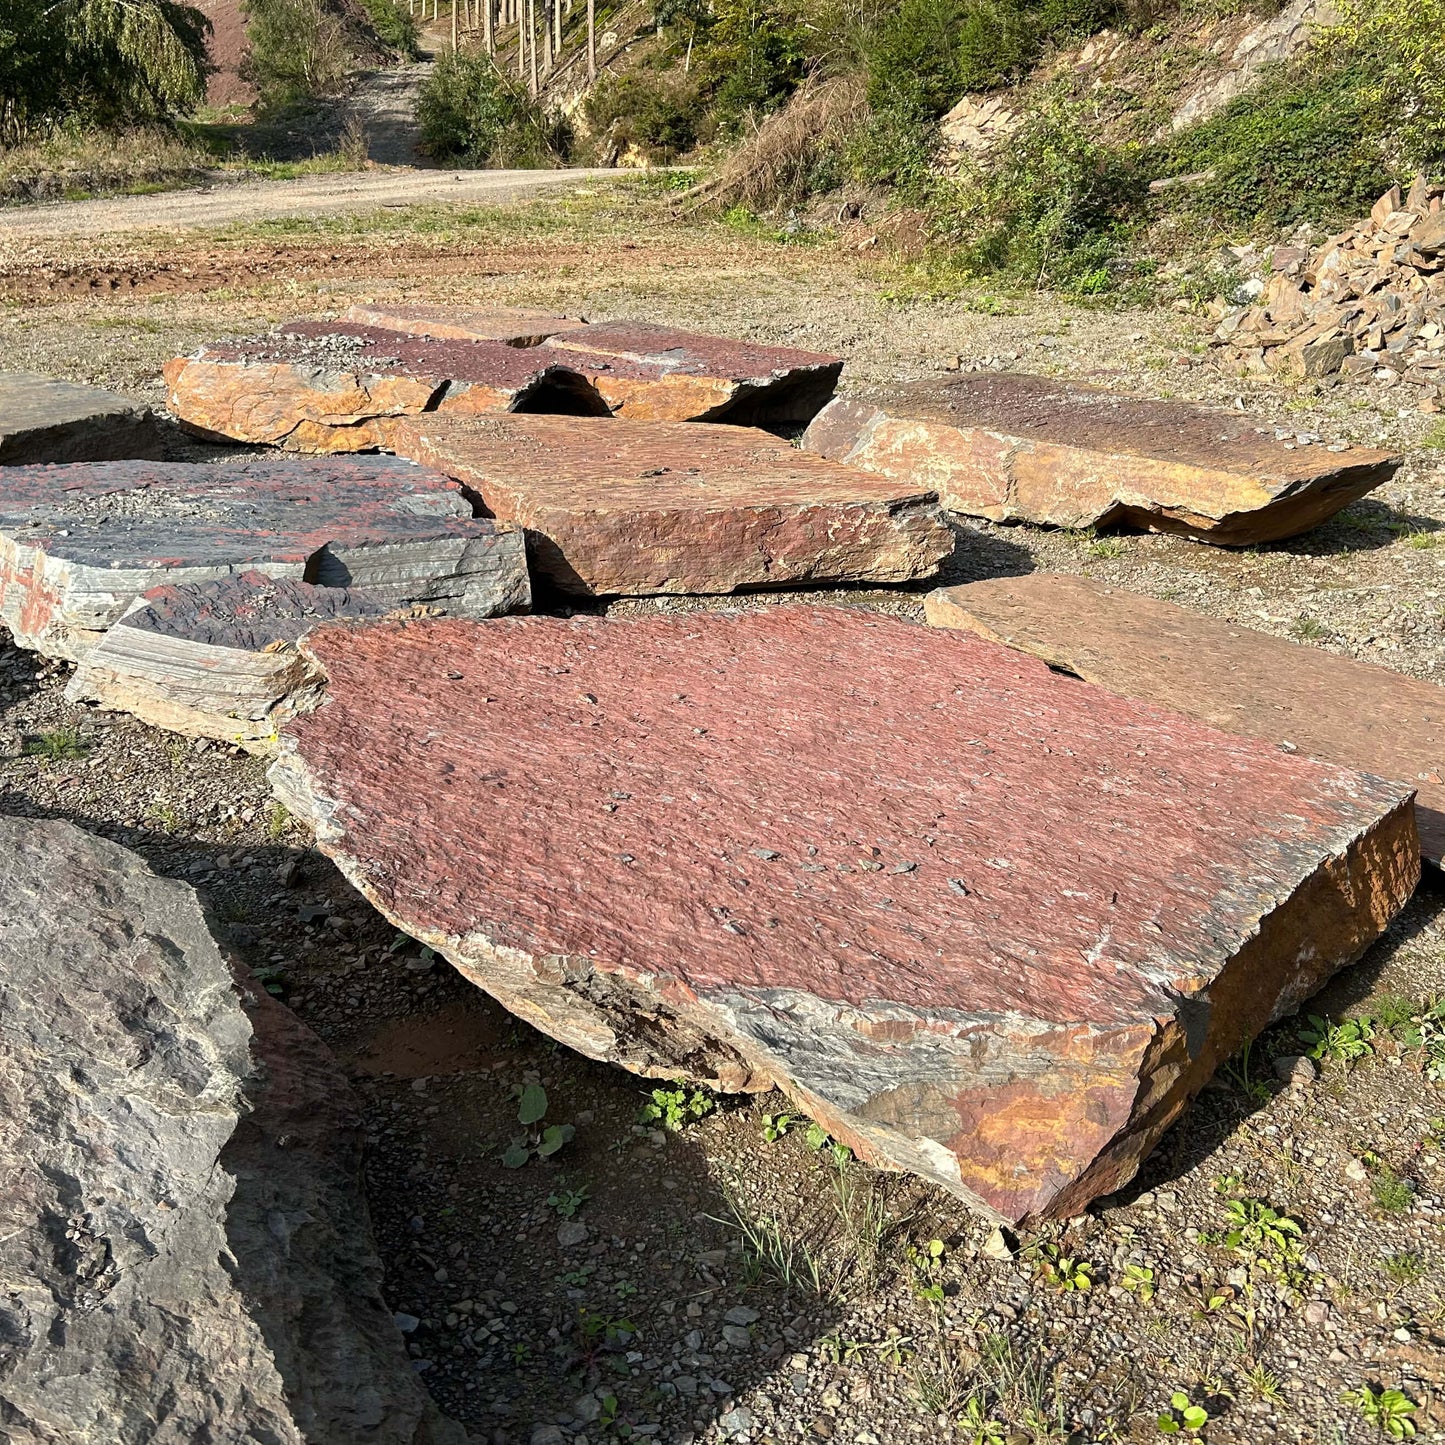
{"x":647,"y":372}
{"x":336,"y":386}
{"x":1225,"y":675}
{"x":516,"y":325}
{"x":1060,"y":453}
{"x":79,"y":544}
{"x":638,"y":508}
{"x":987,"y":923}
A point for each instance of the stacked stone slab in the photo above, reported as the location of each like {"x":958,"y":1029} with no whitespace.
{"x":185,"y":1253}
{"x":337,"y":386}
{"x":986,"y":923}
{"x":1017,"y":448}
{"x":80,"y":544}
{"x":613,"y":506}
{"x":1369,"y":302}
{"x":218,"y":659}
{"x":1228,"y":676}
{"x":45,"y":420}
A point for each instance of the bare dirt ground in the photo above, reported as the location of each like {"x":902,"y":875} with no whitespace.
{"x":710,"y":1283}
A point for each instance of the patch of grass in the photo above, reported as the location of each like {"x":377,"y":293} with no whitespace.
{"x":58,"y":746}
{"x":1106,"y":547}
{"x":774,"y":1248}
{"x":79,"y":164}
{"x":1391,"y":1193}
{"x":1435,"y":437}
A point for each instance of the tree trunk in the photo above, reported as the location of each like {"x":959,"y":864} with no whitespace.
{"x":548,"y":56}
{"x":489,"y":38}
{"x":517,"y":5}
{"x":532,"y":45}
{"x":454,"y":27}
{"x":591,"y":40}
{"x":557,"y":30}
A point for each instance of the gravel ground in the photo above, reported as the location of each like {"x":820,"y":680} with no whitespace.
{"x":711,"y":1283}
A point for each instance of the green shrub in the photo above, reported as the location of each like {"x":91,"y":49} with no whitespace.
{"x":1297,"y":147}
{"x":754,"y":58}
{"x":98,"y":62}
{"x":394,"y":27}
{"x":298,"y":49}
{"x":471,"y":113}
{"x":1053,"y":207}
{"x":657,"y":113}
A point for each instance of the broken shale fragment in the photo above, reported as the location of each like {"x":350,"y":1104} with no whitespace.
{"x":45,"y":420}
{"x":637,"y":508}
{"x":1016,"y":448}
{"x":985,"y":923}
{"x":79,"y":544}
{"x":1222,"y":673}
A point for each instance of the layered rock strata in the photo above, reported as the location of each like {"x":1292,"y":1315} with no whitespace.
{"x":640,"y":508}
{"x":185,"y":1252}
{"x":984,"y":922}
{"x":45,"y":420}
{"x":1016,"y":448}
{"x":1228,"y":676}
{"x":79,"y":544}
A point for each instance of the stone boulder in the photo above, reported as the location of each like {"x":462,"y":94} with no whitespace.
{"x":1226,"y":675}
{"x":185,"y":1252}
{"x":1063,"y":454}
{"x":79,"y":544}
{"x":44,"y":420}
{"x":984,"y":922}
{"x":641,"y":508}
{"x":217,"y":659}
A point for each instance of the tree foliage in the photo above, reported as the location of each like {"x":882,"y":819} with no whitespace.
{"x":98,"y":62}
{"x":471,"y":113}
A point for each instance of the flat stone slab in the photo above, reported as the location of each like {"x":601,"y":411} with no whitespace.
{"x":614,"y":506}
{"x":1226,"y":675}
{"x":336,"y":386}
{"x":79,"y":544}
{"x":647,"y":372}
{"x":984,"y":922}
{"x":45,"y":420}
{"x":1063,"y":454}
{"x":185,"y":1253}
{"x":516,"y":325}
{"x":218,"y":659}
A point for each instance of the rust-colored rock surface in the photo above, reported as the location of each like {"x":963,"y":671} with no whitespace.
{"x":1226,"y":675}
{"x":515,"y":325}
{"x":218,"y":659}
{"x":1037,"y":449}
{"x":334,"y":386}
{"x":632,"y":507}
{"x":647,"y":372}
{"x":79,"y":544}
{"x":986,"y":923}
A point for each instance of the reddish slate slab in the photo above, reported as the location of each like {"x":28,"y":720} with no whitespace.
{"x":333,"y":386}
{"x":657,"y":373}
{"x":79,"y":544}
{"x":219,"y":659}
{"x":639,"y":508}
{"x":1038,"y":449}
{"x":44,"y":420}
{"x":515,"y":325}
{"x":1226,"y":675}
{"x":986,"y":923}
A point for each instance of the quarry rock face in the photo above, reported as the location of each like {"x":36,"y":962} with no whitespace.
{"x":984,"y":922}
{"x":647,"y":372}
{"x":217,"y":659}
{"x":1223,"y":674}
{"x":79,"y":544}
{"x":612,"y":506}
{"x":44,"y":420}
{"x":334,"y":386}
{"x":515,"y":325}
{"x":1037,"y":449}
{"x":185,"y":1252}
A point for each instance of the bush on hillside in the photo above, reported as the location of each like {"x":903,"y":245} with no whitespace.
{"x":298,"y":50}
{"x":98,"y":63}
{"x":394,"y":27}
{"x":754,"y":58}
{"x":1297,"y":147}
{"x":653,"y":112}
{"x":472,"y":114}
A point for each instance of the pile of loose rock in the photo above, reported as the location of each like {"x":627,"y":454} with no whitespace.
{"x":1369,"y":302}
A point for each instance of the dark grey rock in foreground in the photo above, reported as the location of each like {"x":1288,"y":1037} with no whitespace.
{"x":185,"y":1253}
{"x":44,"y":420}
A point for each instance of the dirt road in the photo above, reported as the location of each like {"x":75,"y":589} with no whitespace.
{"x":225,"y":205}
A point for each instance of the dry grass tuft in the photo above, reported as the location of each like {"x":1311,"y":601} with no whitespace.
{"x":72,"y":164}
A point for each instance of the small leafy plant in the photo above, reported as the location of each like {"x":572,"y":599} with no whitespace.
{"x":1139,"y":1281}
{"x":1344,"y":1043}
{"x":677,"y":1107}
{"x":59,"y":746}
{"x":775,"y":1126}
{"x":568,"y":1201}
{"x":543,"y":1142}
{"x":1182,"y":1417}
{"x":1067,"y":1273}
{"x":926,"y":1262}
{"x":1388,"y":1411}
